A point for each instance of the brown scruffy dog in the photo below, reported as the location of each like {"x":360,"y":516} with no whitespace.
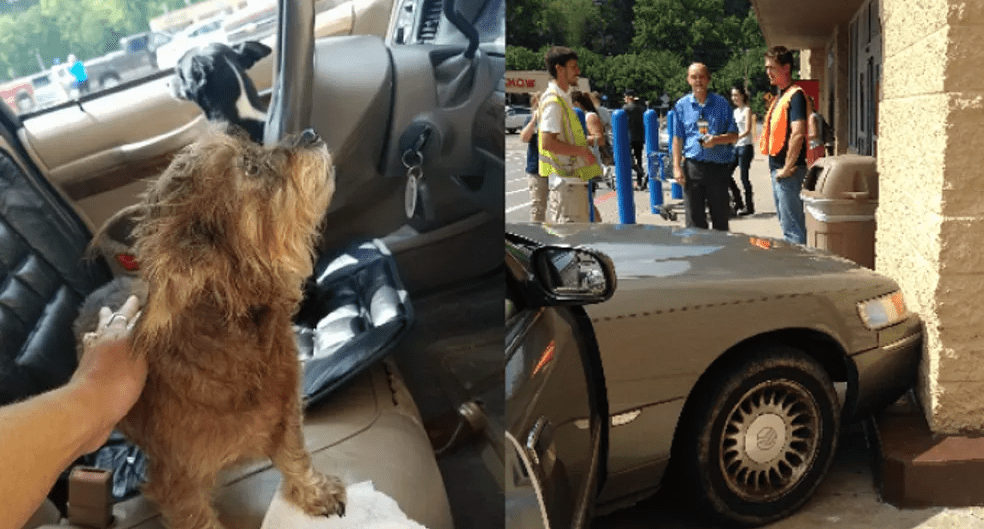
{"x":224,"y":239}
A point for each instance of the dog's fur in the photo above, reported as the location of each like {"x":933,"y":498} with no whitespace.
{"x":224,"y":240}
{"x":214,"y":77}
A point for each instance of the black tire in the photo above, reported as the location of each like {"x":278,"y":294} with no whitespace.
{"x":24,"y":103}
{"x":109,"y":81}
{"x":783,"y":400}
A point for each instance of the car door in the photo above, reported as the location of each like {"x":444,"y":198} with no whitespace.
{"x":555,"y":406}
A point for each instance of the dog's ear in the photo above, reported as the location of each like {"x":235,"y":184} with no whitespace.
{"x":190,"y":75}
{"x":249,"y":52}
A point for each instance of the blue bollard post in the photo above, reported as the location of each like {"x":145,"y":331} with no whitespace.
{"x":651,"y":121}
{"x":623,"y":166}
{"x":584,"y":125}
{"x":676,"y":192}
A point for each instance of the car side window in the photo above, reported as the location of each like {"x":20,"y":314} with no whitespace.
{"x":135,"y":41}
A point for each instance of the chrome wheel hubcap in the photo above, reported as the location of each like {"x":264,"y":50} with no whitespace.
{"x":770,"y":440}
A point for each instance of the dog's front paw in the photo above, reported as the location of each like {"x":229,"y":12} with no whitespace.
{"x":322,"y":496}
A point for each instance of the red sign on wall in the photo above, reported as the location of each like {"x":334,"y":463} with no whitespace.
{"x":519,"y":82}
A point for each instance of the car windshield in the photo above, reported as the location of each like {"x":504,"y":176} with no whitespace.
{"x":90,"y":46}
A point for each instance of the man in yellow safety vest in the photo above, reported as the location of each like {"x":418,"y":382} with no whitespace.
{"x":565,"y":158}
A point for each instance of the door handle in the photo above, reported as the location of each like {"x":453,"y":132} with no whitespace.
{"x":540,"y":446}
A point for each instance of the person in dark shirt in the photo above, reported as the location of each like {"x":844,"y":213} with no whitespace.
{"x":634,"y":111}
{"x":537,"y":183}
{"x":783,"y":140}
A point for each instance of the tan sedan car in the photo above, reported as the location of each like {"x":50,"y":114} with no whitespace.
{"x":731,"y":363}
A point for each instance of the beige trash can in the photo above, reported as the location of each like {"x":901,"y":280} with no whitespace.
{"x":840,"y":194}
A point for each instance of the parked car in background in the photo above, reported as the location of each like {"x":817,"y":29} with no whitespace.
{"x":136,"y":58}
{"x":255,"y":22}
{"x":516,"y":118}
{"x":197,"y":34}
{"x":730,"y":363}
{"x":18,"y":94}
{"x":34,"y":92}
{"x":47,"y":90}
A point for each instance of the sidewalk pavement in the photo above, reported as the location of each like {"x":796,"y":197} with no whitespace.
{"x":763,"y":223}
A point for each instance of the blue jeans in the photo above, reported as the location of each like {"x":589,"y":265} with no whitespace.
{"x":789,"y":205}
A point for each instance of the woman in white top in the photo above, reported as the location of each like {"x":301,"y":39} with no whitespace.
{"x":743,"y":147}
{"x":595,"y":133}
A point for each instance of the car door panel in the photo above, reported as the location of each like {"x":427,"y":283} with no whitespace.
{"x":105,"y":120}
{"x":637,"y":455}
{"x":101,"y":150}
{"x":550,"y":413}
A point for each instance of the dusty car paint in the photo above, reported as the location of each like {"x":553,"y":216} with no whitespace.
{"x":687,"y":296}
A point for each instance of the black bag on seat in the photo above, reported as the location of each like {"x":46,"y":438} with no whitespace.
{"x":356,"y":311}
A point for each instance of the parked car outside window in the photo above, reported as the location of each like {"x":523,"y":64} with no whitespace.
{"x":516,"y":118}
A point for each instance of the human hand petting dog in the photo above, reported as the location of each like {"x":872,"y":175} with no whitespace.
{"x":109,"y":373}
{"x":43,"y":435}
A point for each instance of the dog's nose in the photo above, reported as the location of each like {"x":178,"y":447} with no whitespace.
{"x":308,"y":138}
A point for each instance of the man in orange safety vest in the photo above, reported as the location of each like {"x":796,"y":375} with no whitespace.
{"x":783,"y":140}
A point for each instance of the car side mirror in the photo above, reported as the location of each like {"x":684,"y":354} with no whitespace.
{"x":573,"y":276}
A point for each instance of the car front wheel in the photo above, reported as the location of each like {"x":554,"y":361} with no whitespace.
{"x":762,"y":437}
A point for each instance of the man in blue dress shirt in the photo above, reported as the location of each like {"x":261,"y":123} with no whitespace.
{"x":703,"y":133}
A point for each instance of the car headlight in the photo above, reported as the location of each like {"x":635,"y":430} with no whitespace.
{"x":883,"y":311}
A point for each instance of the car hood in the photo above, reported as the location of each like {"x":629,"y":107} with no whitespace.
{"x":691,"y":254}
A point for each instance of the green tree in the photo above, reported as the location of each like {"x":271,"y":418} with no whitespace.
{"x":569,"y":22}
{"x":520,"y":58}
{"x":24,"y":37}
{"x":17,"y":6}
{"x":89,"y":28}
{"x":617,"y":27}
{"x":523,"y":23}
{"x":649,"y":74}
{"x":697,"y":30}
{"x":50,"y":29}
{"x":648,"y":48}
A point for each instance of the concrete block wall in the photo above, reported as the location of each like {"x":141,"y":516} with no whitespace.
{"x":931,"y":207}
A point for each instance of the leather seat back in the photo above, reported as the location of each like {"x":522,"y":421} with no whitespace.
{"x":44,"y":277}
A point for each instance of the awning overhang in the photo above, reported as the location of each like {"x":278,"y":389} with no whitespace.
{"x":802,"y":24}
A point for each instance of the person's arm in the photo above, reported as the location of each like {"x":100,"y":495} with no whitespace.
{"x":814,"y":129}
{"x":731,"y":135}
{"x":527,"y":133}
{"x":596,"y":131}
{"x":552,"y":143}
{"x":797,"y":134}
{"x":721,"y":139}
{"x":43,"y":435}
